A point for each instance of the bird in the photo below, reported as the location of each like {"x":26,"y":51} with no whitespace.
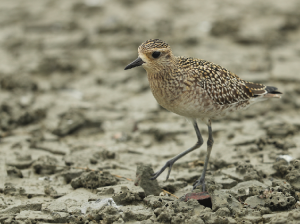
{"x":196,"y":89}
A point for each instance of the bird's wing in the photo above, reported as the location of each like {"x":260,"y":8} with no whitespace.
{"x":223,"y":86}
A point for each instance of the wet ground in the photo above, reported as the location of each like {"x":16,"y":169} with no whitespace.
{"x":78,"y":133}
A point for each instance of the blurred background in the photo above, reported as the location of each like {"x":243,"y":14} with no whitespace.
{"x":65,"y":98}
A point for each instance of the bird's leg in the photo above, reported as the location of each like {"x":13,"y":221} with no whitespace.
{"x":210,"y":143}
{"x":170,"y":162}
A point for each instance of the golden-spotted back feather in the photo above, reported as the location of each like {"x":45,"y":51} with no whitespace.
{"x":223,"y":86}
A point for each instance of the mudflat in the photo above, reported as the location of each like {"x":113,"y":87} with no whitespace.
{"x":80,"y":137}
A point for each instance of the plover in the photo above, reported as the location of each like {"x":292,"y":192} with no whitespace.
{"x":195,"y":89}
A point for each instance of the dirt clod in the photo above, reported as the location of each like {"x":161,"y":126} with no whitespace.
{"x":143,"y":175}
{"x":45,"y":165}
{"x":93,"y":180}
{"x":127,"y":196}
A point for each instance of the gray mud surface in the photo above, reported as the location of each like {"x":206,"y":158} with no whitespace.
{"x":74,"y":126}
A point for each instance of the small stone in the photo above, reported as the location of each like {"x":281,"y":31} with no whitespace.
{"x":143,"y":175}
{"x":69,"y":122}
{"x":104,"y":155}
{"x":93,"y":161}
{"x":10,"y":189}
{"x":45,"y":165}
{"x":50,"y":190}
{"x":14,"y":172}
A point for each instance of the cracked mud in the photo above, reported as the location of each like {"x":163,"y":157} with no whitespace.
{"x":79,"y":137}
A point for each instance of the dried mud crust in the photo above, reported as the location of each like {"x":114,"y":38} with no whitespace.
{"x":93,"y":180}
{"x":80,"y":137}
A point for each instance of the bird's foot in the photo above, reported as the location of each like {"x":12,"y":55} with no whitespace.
{"x":169,"y":165}
{"x":199,"y":182}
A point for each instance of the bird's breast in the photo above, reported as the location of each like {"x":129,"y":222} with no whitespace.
{"x":179,"y":96}
{"x":166,"y":91}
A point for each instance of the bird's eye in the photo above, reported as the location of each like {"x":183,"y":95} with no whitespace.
{"x":155,"y":54}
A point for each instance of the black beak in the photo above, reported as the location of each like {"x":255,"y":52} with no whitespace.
{"x":135,"y":63}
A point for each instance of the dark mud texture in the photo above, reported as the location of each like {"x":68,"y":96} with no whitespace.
{"x":80,"y":137}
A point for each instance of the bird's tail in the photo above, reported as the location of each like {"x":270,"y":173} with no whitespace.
{"x":272,"y":92}
{"x":262,"y":91}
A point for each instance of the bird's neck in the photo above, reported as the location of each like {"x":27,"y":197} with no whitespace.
{"x":167,"y":72}
{"x":160,"y":74}
{"x":163,"y":79}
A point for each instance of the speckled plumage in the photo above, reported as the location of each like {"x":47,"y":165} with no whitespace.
{"x":195,"y":89}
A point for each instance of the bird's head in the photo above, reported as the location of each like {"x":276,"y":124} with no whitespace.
{"x":154,"y":54}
